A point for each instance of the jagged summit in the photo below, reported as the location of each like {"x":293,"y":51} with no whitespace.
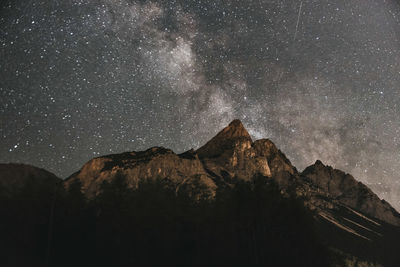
{"x":342,"y":187}
{"x":318,"y":162}
{"x":225,"y":139}
{"x":235,"y":129}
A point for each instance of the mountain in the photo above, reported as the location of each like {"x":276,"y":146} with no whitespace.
{"x":14,"y":177}
{"x":347,"y":216}
{"x":343,"y":206}
{"x":343,"y":188}
{"x":27,"y":198}
{"x":233,"y":156}
{"x":230,"y":156}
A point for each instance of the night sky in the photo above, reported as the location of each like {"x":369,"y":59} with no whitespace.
{"x":321,"y":79}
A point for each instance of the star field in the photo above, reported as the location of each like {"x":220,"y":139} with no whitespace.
{"x":321,"y":79}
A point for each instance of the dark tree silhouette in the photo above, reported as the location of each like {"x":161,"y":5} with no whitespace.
{"x":249,"y":224}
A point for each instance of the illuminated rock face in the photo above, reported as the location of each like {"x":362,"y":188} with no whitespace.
{"x":232,"y":156}
{"x":154,"y":163}
{"x":343,"y":188}
{"x":229,"y":156}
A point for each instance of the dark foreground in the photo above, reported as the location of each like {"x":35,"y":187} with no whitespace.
{"x":250,"y":225}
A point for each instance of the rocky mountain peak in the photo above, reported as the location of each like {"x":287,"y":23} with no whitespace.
{"x":318,"y":163}
{"x":235,"y":129}
{"x":342,"y":187}
{"x":227,"y":138}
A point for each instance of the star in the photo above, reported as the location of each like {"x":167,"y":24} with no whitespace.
{"x":80,"y":79}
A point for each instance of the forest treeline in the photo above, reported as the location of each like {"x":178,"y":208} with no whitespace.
{"x":250,"y":224}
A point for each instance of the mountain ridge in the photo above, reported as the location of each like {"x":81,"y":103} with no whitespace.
{"x":14,"y":176}
{"x":348,"y":215}
{"x":230,"y":156}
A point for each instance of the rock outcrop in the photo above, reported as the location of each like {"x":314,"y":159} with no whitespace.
{"x":342,"y":187}
{"x":231,"y":155}
{"x":155,"y":163}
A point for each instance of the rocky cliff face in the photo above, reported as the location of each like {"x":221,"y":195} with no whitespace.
{"x":232,"y":156}
{"x":343,"y":188}
{"x":181,"y":170}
